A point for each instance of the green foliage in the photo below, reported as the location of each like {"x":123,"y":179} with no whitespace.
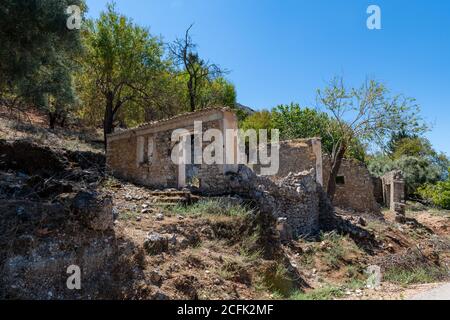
{"x":413,"y":155}
{"x":438,"y":194}
{"x":121,"y":63}
{"x":416,"y":275}
{"x":402,"y":145}
{"x":218,"y":92}
{"x":213,"y":207}
{"x":37,"y":52}
{"x":33,"y":34}
{"x":295,"y":122}
{"x":416,"y":171}
{"x":257,"y":121}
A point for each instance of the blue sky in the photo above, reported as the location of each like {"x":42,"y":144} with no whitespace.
{"x":282,"y":51}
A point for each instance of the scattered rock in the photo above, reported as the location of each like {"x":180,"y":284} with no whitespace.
{"x":156,"y":278}
{"x":362,"y":222}
{"x":285,"y":230}
{"x":160,"y":296}
{"x":156,"y":243}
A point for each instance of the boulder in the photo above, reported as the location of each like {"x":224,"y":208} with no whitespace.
{"x":93,"y":210}
{"x":156,"y":243}
{"x":284,"y":230}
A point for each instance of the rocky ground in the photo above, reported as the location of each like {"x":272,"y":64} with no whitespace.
{"x":58,"y":207}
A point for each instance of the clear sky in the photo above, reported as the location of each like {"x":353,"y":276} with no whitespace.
{"x":282,"y":51}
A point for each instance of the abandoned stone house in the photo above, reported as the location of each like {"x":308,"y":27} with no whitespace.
{"x":144,"y":155}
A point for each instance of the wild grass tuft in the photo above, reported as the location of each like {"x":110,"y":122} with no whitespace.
{"x":213,"y":207}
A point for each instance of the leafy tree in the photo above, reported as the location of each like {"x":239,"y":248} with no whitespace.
{"x":218,"y":92}
{"x":121,"y":60}
{"x":295,"y":122}
{"x":55,"y":94}
{"x":366,"y":113}
{"x":419,"y":147}
{"x":36,"y":53}
{"x":257,"y":121}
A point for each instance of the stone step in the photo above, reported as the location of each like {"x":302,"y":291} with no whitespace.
{"x":171,"y":200}
{"x":164,"y":204}
{"x":169,"y":194}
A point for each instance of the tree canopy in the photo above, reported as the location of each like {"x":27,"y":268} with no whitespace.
{"x":36,"y":53}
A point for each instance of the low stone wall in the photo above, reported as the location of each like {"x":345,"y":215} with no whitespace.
{"x":295,"y":198}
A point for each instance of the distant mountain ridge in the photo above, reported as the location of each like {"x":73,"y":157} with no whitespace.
{"x":245,"y":109}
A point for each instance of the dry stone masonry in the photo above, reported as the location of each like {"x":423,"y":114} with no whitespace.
{"x":293,"y":195}
{"x":354,"y":186}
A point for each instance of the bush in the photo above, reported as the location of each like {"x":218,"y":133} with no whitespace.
{"x":437,"y":194}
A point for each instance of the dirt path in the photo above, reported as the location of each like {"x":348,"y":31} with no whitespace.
{"x":439,"y":293}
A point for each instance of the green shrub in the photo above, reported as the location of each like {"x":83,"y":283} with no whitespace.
{"x":418,"y":275}
{"x":438,"y":194}
{"x":334,"y":252}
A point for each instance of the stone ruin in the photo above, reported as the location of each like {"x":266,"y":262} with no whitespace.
{"x":393,"y":190}
{"x":294,"y":199}
{"x":143,"y":155}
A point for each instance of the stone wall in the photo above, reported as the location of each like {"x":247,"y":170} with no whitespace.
{"x":394,"y":193}
{"x":355,"y":188}
{"x":355,"y":192}
{"x":294,"y":198}
{"x":143,"y":154}
{"x":297,"y":156}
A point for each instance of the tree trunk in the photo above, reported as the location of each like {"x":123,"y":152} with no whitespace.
{"x":108,"y":120}
{"x":336,"y":161}
{"x":191,"y":94}
{"x":62,"y":122}
{"x":52,"y":117}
